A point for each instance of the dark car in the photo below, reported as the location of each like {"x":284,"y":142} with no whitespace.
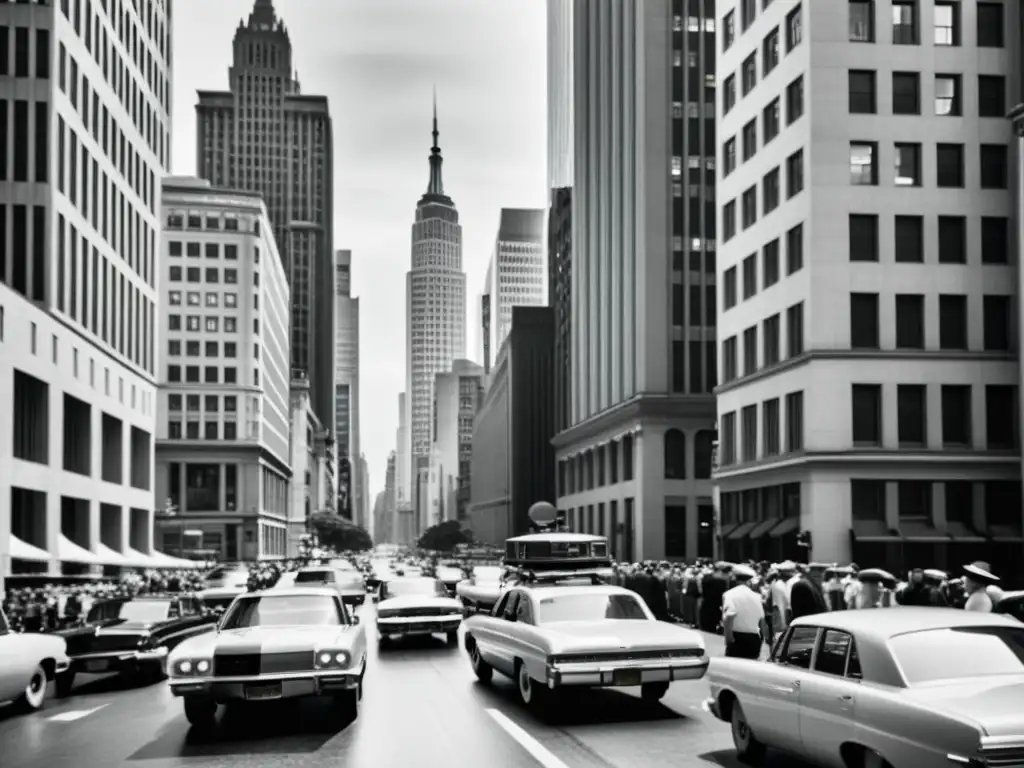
{"x":1012,"y":604}
{"x":132,"y":636}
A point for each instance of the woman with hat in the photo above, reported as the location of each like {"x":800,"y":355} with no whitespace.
{"x":978,"y":577}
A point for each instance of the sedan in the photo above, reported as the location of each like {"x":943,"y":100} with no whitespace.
{"x":417,"y":606}
{"x":27,"y":663}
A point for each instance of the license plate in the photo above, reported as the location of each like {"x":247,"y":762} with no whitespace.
{"x":626,"y":677}
{"x":263,"y":692}
{"x":96,"y":666}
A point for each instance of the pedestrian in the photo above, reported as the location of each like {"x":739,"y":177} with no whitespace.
{"x":978,"y":577}
{"x":743,"y":620}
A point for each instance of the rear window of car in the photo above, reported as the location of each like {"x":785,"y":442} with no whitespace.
{"x":959,"y":653}
{"x":314,"y":577}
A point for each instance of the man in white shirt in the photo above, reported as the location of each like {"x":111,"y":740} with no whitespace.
{"x":743,"y":617}
{"x":780,"y":597}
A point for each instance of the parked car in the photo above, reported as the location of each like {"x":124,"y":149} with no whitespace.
{"x":28,"y":662}
{"x":881,"y":687}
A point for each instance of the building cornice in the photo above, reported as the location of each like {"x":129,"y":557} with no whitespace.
{"x":629,"y":414}
{"x":179,"y":450}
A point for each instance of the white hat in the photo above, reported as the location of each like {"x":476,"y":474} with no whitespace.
{"x":787,"y":565}
{"x":743,"y":572}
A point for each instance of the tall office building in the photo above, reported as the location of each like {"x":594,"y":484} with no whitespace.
{"x":222,"y":455}
{"x":384,"y":530}
{"x":264,"y":135}
{"x":346,"y":377}
{"x":517,"y":275}
{"x":869,"y":381}
{"x":436,"y":315}
{"x":402,"y":461}
{"x":636,"y":458}
{"x":560,"y":93}
{"x":85,"y":109}
{"x":457,"y":396}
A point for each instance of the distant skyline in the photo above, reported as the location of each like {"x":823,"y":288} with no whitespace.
{"x":378,"y":62}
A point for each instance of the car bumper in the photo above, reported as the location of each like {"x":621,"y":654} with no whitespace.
{"x":419,"y":625}
{"x":357,"y":596}
{"x":289,"y":685}
{"x":116,"y":661}
{"x":612,"y":674}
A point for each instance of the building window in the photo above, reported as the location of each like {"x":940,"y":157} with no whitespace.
{"x":912,"y":421}
{"x":748,"y":424}
{"x":749,"y":140}
{"x":770,"y":427}
{"x":794,"y":422}
{"x":770,"y":121}
{"x":794,"y":28}
{"x":997,"y":320}
{"x":748,"y":74}
{"x":771,"y":191}
{"x":728,"y":439}
{"x":1001,"y":416}
{"x":863,"y":237}
{"x":749,"y":207}
{"x":749,"y":276}
{"x":904,"y":22}
{"x":956,"y":414}
{"x":863,"y":168}
{"x":995,"y":234}
{"x":729,"y":94}
{"x":770,"y":52}
{"x":772,"y":341}
{"x":909,"y":321}
{"x":909,"y":246}
{"x":952,"y":240}
{"x":906,"y":93}
{"x":947,"y":23}
{"x":747,"y":13}
{"x":861,"y":85}
{"x":947,"y":95}
{"x":729,"y":288}
{"x":750,"y":351}
{"x":795,"y":173}
{"x":867,"y":414}
{"x":908,"y":165}
{"x":728,"y":30}
{"x":729,"y":156}
{"x":770,"y":268}
{"x":795,"y":100}
{"x":990,"y":25}
{"x":729,"y":359}
{"x":949,"y":165}
{"x":729,"y":220}
{"x":952,"y":321}
{"x":795,"y":249}
{"x":862,"y":21}
{"x":992,"y":96}
{"x":864,"y":321}
{"x":795,"y":330}
{"x":994,"y":163}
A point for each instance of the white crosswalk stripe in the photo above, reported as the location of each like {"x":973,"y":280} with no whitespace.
{"x":74,"y":714}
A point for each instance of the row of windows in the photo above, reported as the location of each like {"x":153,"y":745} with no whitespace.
{"x":909,"y":239}
{"x":770,"y":126}
{"x":174,"y":299}
{"x":208,"y":349}
{"x":774,"y":441}
{"x":770,"y":258}
{"x":772,"y":352}
{"x":769,"y":55}
{"x":211,"y":430}
{"x":947,"y":27}
{"x":23,"y":258}
{"x":950,"y":165}
{"x":211,"y":374}
{"x":24,"y":64}
{"x":772,"y":183}
{"x":213,"y":222}
{"x":211,"y":275}
{"x":947,"y":95}
{"x":194,"y":323}
{"x":17,"y":161}
{"x":209,"y":250}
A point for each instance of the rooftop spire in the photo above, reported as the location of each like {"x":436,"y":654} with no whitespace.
{"x":435,"y":187}
{"x":263,"y":13}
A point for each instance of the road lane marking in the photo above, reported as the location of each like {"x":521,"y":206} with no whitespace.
{"x":74,"y":714}
{"x":538,"y":751}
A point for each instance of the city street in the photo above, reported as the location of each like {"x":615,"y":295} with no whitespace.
{"x":422,"y":708}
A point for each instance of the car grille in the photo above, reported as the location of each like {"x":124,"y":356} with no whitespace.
{"x":411,"y":612}
{"x":1004,"y":757}
{"x":236,"y":665}
{"x":590,"y":658}
{"x":301,"y":661}
{"x":245,"y":665}
{"x":108,"y":643}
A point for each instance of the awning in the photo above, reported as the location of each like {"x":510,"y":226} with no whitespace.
{"x":786,"y":526}
{"x":137,"y":559}
{"x":167,"y":561}
{"x":727,"y":529}
{"x":762,"y":528}
{"x":921,"y":531}
{"x":70,"y":552}
{"x":741,"y":531}
{"x":873,"y":530}
{"x":1004,"y":532}
{"x":963,"y":533}
{"x":109,"y":556}
{"x":22,"y":550}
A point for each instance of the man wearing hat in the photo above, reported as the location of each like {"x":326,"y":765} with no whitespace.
{"x":978,"y":577}
{"x":743,"y":616}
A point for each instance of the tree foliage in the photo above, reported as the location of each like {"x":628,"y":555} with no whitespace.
{"x":444,"y":536}
{"x":340,"y":534}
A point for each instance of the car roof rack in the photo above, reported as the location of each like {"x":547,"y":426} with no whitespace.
{"x":596,"y":577}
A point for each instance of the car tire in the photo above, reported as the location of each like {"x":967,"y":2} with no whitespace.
{"x":200,"y":711}
{"x":346,"y":705}
{"x":453,"y":637}
{"x":483,"y":671}
{"x":653,"y":691}
{"x":64,"y":683}
{"x":533,"y":695}
{"x":33,"y":696}
{"x":749,"y":750}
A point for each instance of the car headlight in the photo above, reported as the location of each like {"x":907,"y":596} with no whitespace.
{"x":384,"y":613}
{"x":191,"y":667}
{"x":331,"y":659}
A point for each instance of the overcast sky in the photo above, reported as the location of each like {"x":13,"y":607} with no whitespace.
{"x":377,"y":61}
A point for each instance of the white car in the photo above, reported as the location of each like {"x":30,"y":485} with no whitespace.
{"x":417,"y":606}
{"x":274,"y":644}
{"x":549,"y":636}
{"x":27,"y":663}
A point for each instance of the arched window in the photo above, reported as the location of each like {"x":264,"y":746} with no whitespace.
{"x":703,"y":447}
{"x":675,"y":455}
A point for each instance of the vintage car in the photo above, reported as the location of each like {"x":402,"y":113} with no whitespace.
{"x":132,"y":636}
{"x":483,"y":588}
{"x":881,"y":687}
{"x":1011,"y":604}
{"x":417,"y":606}
{"x":274,"y":644}
{"x":450,"y":575}
{"x":28,"y":661}
{"x":350,"y":584}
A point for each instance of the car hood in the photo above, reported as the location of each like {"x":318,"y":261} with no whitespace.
{"x":419,"y":601}
{"x":266,"y":640}
{"x":125,"y":627}
{"x":615,"y":635}
{"x":994,"y":704}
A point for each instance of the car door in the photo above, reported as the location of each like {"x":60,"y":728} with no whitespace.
{"x":15,"y":666}
{"x":774,"y":690}
{"x":827,"y":700}
{"x":484,"y":630}
{"x":503,"y":640}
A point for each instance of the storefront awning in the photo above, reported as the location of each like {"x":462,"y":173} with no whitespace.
{"x":921,"y":531}
{"x":22,"y":550}
{"x":109,"y":556}
{"x":136,"y":559}
{"x":166,"y":561}
{"x":70,"y":552}
{"x":963,"y":533}
{"x":873,"y":530}
{"x":762,"y":528}
{"x":741,"y":531}
{"x":785,"y":527}
{"x":727,"y":529}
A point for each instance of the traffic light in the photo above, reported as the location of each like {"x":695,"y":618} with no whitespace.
{"x":803,"y":539}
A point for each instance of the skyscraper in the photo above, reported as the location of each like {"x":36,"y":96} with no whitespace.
{"x":79,"y":203}
{"x":435,"y":312}
{"x":264,"y":135}
{"x":517,"y":275}
{"x":346,"y":376}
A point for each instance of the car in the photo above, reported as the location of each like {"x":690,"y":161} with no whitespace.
{"x":482,"y":589}
{"x":227,"y":575}
{"x":881,"y":687}
{"x":218,"y":599}
{"x":450,"y":575}
{"x":28,"y":662}
{"x":270,"y":645}
{"x":1011,"y":604}
{"x":132,"y":637}
{"x":417,"y":606}
{"x":350,"y":584}
{"x":555,"y":632}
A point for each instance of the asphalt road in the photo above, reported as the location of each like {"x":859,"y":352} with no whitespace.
{"x":422,"y":708}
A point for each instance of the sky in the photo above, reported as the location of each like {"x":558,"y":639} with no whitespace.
{"x":377,"y":61}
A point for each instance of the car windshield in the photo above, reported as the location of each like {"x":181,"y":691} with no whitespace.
{"x":314,"y":577}
{"x":284,"y":611}
{"x":144,"y":611}
{"x":426,"y":587}
{"x":488,"y":573}
{"x":958,"y":653}
{"x":590,"y":607}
